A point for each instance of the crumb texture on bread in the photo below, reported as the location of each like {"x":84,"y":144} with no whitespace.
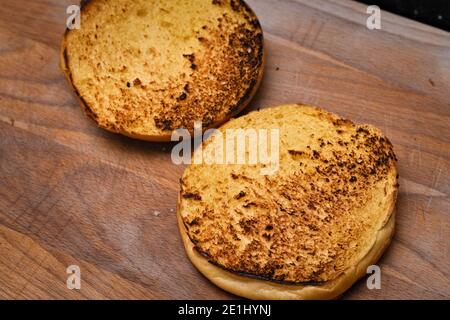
{"x":258,"y":289}
{"x":147,"y":67}
{"x":312,"y":220}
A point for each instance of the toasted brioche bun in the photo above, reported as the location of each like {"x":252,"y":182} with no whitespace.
{"x":308,"y":231}
{"x":145,"y":68}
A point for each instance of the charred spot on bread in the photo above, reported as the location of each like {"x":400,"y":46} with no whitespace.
{"x":191,"y":195}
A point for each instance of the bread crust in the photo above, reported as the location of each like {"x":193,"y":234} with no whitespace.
{"x":162,"y":137}
{"x":256,"y":289}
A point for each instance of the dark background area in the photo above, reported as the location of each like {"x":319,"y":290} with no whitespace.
{"x":433,"y":12}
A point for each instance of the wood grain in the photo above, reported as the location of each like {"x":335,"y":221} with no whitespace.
{"x":73,"y":194}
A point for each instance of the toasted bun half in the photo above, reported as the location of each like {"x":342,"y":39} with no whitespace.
{"x":144,"y":68}
{"x":306,"y":231}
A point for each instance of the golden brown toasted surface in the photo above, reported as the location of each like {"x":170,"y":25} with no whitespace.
{"x":260,"y":289}
{"x":310,"y":221}
{"x":146,"y":67}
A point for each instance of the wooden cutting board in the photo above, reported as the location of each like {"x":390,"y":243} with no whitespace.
{"x":72,"y":194}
